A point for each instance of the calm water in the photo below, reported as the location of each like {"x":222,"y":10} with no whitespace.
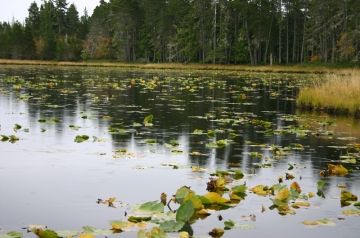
{"x":47,"y":178}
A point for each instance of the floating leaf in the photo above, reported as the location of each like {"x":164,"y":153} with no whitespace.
{"x":163,"y":198}
{"x":150,"y":208}
{"x":334,"y":170}
{"x":216,"y":184}
{"x":86,"y":235}
{"x":198,"y":132}
{"x":151,"y":141}
{"x":215,"y":198}
{"x":46,"y":233}
{"x":137,"y":219}
{"x":73,"y":127}
{"x":119,"y":226}
{"x":229,"y":224}
{"x":17,"y":127}
{"x":320,"y":188}
{"x":216,"y":232}
{"x":255,"y":155}
{"x":4,"y":138}
{"x":184,"y":234}
{"x":185,"y":212}
{"x":81,"y":138}
{"x":110,"y":201}
{"x":283,"y":195}
{"x":196,"y":153}
{"x":136,"y":124}
{"x":321,"y":222}
{"x":183,"y":193}
{"x":351,"y":212}
{"x":261,"y":190}
{"x":12,"y":234}
{"x":299,"y":204}
{"x":88,"y":229}
{"x":148,"y":120}
{"x":156,"y":232}
{"x":197,"y":169}
{"x":347,"y":197}
{"x":239,"y":190}
{"x":238,"y":174}
{"x":295,"y":186}
{"x":218,"y":144}
{"x":172,"y":226}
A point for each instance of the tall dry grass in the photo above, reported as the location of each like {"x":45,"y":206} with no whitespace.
{"x":337,"y":93}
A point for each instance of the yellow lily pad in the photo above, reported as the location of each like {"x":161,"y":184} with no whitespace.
{"x":261,"y":190}
{"x":216,"y":198}
{"x":337,"y":170}
{"x":351,"y":212}
{"x":283,"y":195}
{"x":320,"y":222}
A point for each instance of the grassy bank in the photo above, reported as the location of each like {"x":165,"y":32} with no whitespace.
{"x":178,"y":66}
{"x":337,"y":93}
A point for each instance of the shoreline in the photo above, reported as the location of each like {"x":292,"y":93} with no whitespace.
{"x":299,"y":69}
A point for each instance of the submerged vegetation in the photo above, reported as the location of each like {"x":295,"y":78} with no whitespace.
{"x":337,"y":93}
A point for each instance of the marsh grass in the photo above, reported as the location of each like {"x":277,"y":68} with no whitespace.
{"x":175,"y":66}
{"x":336,"y":93}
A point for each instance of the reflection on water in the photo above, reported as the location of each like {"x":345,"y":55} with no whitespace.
{"x":47,"y":178}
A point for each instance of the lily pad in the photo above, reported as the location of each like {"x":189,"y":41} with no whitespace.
{"x":347,"y":198}
{"x":229,"y":224}
{"x":81,"y":138}
{"x":172,"y":226}
{"x":185,"y":212}
{"x":320,"y":222}
{"x":12,"y":234}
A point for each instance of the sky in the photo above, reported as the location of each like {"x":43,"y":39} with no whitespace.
{"x":18,"y":9}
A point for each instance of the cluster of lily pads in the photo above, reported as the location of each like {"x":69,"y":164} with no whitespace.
{"x":171,"y":215}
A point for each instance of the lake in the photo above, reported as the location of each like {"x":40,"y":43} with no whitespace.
{"x":73,"y":138}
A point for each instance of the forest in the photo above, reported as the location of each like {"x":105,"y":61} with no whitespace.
{"x":188,"y":31}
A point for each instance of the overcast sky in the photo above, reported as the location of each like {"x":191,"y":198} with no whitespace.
{"x":19,"y":8}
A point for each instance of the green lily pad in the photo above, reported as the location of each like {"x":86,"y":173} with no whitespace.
{"x":136,"y":219}
{"x":151,"y":207}
{"x":12,"y":234}
{"x":148,"y":120}
{"x":185,"y":212}
{"x":229,"y":224}
{"x":81,"y":138}
{"x":172,"y":226}
{"x":347,"y":198}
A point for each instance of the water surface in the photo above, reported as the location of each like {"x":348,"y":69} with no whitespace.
{"x":47,"y":178}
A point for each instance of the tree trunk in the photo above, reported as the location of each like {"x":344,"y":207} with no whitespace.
{"x":294,"y":42}
{"x":333,"y":48}
{"x":214,"y":40}
{"x":303,"y":38}
{"x":287,"y":40}
{"x":280,"y":46}
{"x":249,"y":42}
{"x":268,"y":42}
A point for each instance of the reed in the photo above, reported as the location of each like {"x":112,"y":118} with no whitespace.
{"x":336,"y":93}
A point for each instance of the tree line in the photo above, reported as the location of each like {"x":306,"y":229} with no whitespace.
{"x":204,"y":31}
